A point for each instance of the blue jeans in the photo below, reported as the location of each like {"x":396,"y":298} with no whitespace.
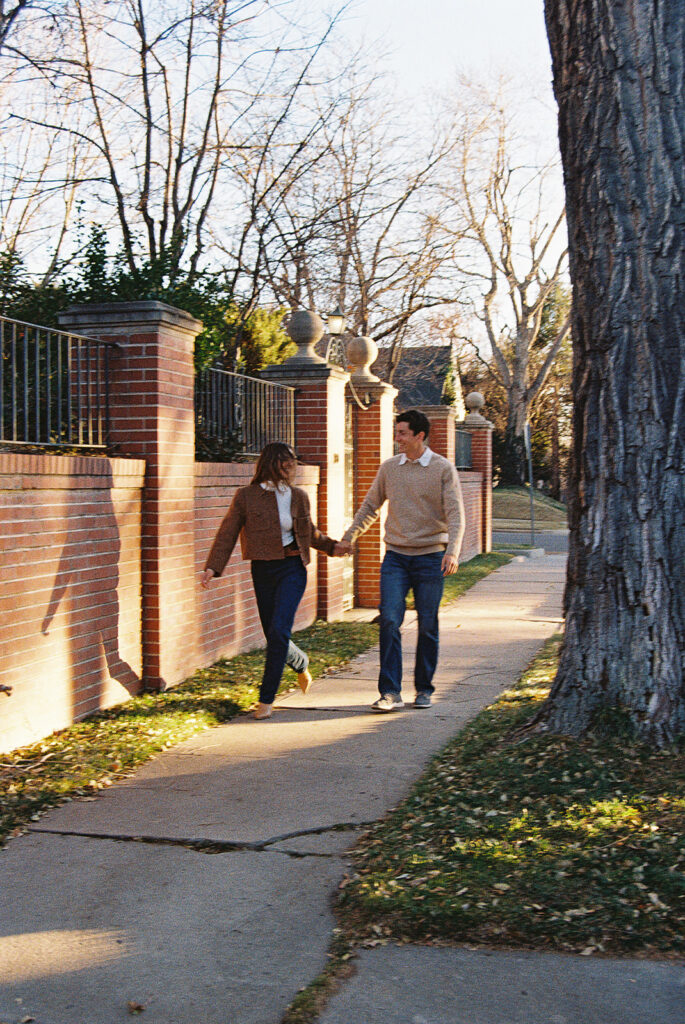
{"x":279,"y":585}
{"x":423,"y":575}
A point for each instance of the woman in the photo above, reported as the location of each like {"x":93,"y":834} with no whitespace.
{"x":276,"y":533}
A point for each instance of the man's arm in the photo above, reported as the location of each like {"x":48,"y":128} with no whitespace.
{"x":368,"y":510}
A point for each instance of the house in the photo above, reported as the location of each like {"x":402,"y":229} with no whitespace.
{"x":423,"y":376}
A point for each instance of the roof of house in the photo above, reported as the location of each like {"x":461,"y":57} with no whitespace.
{"x":420,"y":375}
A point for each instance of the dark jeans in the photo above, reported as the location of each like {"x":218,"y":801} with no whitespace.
{"x":279,"y":586}
{"x":423,"y":575}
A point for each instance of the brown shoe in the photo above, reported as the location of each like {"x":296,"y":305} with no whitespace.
{"x":263,"y":711}
{"x":304,"y":681}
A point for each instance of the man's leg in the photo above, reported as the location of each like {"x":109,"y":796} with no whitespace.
{"x":428,"y":584}
{"x":394,"y":588}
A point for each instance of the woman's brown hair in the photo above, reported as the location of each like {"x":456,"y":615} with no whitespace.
{"x":269,"y":468}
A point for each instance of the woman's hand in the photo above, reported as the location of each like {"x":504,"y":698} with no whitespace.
{"x":206,"y":578}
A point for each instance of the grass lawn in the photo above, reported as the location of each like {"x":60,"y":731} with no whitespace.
{"x":94,"y":753}
{"x":546,"y":844}
{"x":512,"y":504}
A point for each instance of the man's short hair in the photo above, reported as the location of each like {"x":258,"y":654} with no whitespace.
{"x":416,"y":421}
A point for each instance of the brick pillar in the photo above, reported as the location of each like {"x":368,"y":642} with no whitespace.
{"x":481,"y":459}
{"x":151,"y":404}
{"x":373,"y":443}
{"x":320,"y":439}
{"x":441,"y":438}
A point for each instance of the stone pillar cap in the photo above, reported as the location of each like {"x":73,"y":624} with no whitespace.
{"x":474,"y":403}
{"x":361,"y":353}
{"x":305,"y":327}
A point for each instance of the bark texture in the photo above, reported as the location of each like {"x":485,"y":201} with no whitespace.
{"x":619,"y":81}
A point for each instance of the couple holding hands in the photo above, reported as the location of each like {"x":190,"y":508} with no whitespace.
{"x":423,"y":534}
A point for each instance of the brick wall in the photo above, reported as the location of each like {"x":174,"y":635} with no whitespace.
{"x":70,"y":567}
{"x":70,"y":611}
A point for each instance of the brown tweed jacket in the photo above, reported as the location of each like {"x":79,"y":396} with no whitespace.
{"x":254,"y":516}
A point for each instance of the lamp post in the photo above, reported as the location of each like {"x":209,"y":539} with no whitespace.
{"x":335,"y":328}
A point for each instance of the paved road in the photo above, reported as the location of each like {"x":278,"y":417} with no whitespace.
{"x":553,"y":541}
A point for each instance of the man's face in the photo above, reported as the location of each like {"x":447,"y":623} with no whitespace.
{"x":410,"y":444}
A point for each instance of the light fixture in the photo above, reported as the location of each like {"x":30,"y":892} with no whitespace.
{"x":335,"y":328}
{"x":335,"y":322}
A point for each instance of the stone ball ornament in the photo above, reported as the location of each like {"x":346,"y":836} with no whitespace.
{"x":361,"y":353}
{"x":305,"y":328}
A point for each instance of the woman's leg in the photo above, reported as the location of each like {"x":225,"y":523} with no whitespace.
{"x":279,"y":586}
{"x":297,"y":659}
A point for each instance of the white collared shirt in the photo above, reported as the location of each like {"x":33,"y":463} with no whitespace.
{"x":424,"y":460}
{"x":284,"y":497}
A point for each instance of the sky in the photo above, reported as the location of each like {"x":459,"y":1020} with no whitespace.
{"x":426,"y":43}
{"x":433,"y":37}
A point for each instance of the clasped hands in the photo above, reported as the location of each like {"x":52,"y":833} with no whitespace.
{"x":342,"y":548}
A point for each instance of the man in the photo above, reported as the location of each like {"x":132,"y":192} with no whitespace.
{"x":423,"y":535}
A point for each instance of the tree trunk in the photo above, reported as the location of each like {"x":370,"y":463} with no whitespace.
{"x":618,"y":79}
{"x":513,"y":468}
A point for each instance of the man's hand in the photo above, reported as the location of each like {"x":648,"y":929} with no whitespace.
{"x":342,"y":548}
{"x":207,"y":576}
{"x":450,"y":564}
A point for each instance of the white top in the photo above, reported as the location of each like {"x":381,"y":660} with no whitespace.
{"x":424,"y":460}
{"x":284,"y":497}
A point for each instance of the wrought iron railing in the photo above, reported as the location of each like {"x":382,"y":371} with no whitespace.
{"x":54,"y":387}
{"x":236,"y":414}
{"x":462,"y":449}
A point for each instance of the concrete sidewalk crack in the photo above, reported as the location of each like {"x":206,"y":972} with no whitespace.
{"x":211,"y":846}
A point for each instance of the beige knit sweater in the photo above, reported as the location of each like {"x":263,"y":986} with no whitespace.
{"x":425,"y":507}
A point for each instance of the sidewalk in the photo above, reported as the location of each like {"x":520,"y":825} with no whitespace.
{"x":200,"y":888}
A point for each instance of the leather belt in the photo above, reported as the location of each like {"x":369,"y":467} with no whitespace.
{"x":291,"y":549}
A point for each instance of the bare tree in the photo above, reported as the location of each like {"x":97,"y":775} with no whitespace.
{"x":618,"y":78}
{"x":514,"y":256}
{"x":360,"y":224}
{"x":9,"y":13}
{"x":169,"y":97}
{"x":39,"y":183}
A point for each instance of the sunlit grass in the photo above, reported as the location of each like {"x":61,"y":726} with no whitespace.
{"x":549,"y":843}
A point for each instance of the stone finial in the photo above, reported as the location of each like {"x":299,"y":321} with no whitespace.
{"x":305,"y":328}
{"x":361,"y":353}
{"x":474,"y":403}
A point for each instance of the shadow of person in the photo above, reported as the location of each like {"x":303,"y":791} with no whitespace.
{"x":85,"y":598}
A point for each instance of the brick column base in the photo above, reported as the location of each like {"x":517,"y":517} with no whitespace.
{"x":320,"y":439}
{"x":373,"y":443}
{"x":481,"y":460}
{"x":441,"y":438}
{"x":152,"y":417}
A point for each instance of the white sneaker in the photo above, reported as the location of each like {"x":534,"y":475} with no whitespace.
{"x":388,"y":702}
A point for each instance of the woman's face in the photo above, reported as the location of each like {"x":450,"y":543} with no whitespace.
{"x":288,"y":468}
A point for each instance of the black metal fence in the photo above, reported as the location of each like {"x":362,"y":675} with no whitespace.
{"x":54,"y":387}
{"x":462,"y":449}
{"x":238,"y":415}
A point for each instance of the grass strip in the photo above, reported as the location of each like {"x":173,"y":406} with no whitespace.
{"x":92,"y":754}
{"x":552,"y":843}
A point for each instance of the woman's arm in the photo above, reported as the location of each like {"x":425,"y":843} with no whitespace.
{"x":226,"y":538}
